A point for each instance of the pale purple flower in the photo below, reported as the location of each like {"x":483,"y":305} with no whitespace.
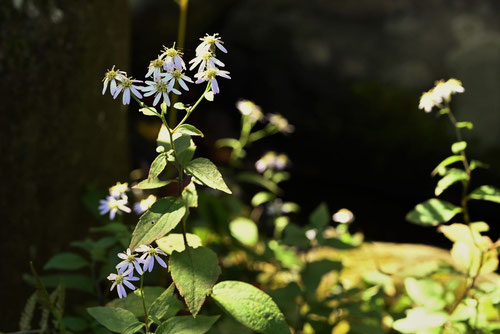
{"x":113,"y":206}
{"x":118,"y":190}
{"x":130,"y":261}
{"x":112,"y":77}
{"x":205,"y":60}
{"x":210,"y":75}
{"x":120,"y":280}
{"x":160,"y":89}
{"x":155,"y":67}
{"x":172,"y":59}
{"x":176,"y":75}
{"x":209,"y":42}
{"x":144,"y":204}
{"x":271,"y":160}
{"x":127,"y":86}
{"x":149,"y":256}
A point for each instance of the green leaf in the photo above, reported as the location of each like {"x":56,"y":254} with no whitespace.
{"x":166,"y":305}
{"x":179,"y":106}
{"x":228,"y":142}
{"x":458,"y":147}
{"x":66,"y":261}
{"x":251,"y":307}
{"x":157,"y":166}
{"x":486,"y":193}
{"x":426,"y":293}
{"x":161,"y":218}
{"x":133,"y":301}
{"x":187,"y":325}
{"x":262,"y":197}
{"x":115,"y":319}
{"x":194,"y":272}
{"x":184,"y":145}
{"x":149,"y":111}
{"x":260,"y":181}
{"x":313,"y":273}
{"x":295,"y":236}
{"x":446,"y":162}
{"x":206,"y":172}
{"x":244,"y":230}
{"x":189,"y":129}
{"x":28,"y":312}
{"x":432,"y":212}
{"x":70,"y":281}
{"x":420,"y":320}
{"x":478,"y":164}
{"x":76,"y":324}
{"x":152,"y":184}
{"x":133,"y":328}
{"x":175,"y":242}
{"x":190,"y":195}
{"x":320,"y":217}
{"x":452,"y":176}
{"x":209,"y":96}
{"x":467,"y":125}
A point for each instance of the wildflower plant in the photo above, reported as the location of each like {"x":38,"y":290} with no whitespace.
{"x":194,"y":269}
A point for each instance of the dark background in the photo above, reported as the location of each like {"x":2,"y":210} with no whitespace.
{"x":347,"y":74}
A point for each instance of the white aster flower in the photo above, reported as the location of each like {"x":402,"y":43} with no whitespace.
{"x":127,"y":86}
{"x":144,"y":204}
{"x":149,"y":256}
{"x":160,"y":89}
{"x":120,"y":280}
{"x":250,"y":109}
{"x":129,"y":262}
{"x":111,"y":77}
{"x":113,"y":206}
{"x":176,"y":75}
{"x":118,"y":189}
{"x":281,"y":123}
{"x":443,"y":90}
{"x":210,"y":75}
{"x":427,"y":101}
{"x":209,"y":42}
{"x":155,"y":67}
{"x":172,"y":59}
{"x":205,"y":60}
{"x":343,"y":216}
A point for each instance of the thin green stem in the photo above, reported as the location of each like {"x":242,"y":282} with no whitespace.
{"x":146,"y":315}
{"x":191,"y":109}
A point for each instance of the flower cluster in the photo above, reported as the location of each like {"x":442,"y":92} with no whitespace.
{"x":131,"y":261}
{"x":250,"y":109}
{"x":167,"y":70}
{"x":116,"y":202}
{"x":441,"y":92}
{"x":280,"y":123}
{"x":273,"y":161}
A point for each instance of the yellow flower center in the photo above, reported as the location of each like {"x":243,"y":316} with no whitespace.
{"x":211,"y":73}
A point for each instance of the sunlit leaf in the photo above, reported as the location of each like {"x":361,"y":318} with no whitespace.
{"x":433,"y":212}
{"x":419,"y":319}
{"x":206,"y":172}
{"x":190,"y":195}
{"x":262,"y":197}
{"x":115,"y":319}
{"x":244,"y":230}
{"x":152,"y":184}
{"x":157,"y":166}
{"x":189,"y":129}
{"x":166,"y":305}
{"x":426,"y":293}
{"x":458,"y":147}
{"x":452,"y":176}
{"x":446,"y":162}
{"x":187,"y":325}
{"x":486,"y":193}
{"x":175,"y":242}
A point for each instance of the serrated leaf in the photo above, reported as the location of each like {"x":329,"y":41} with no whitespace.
{"x":262,"y":197}
{"x":189,"y":129}
{"x":175,"y":242}
{"x":161,"y":218}
{"x":244,"y":230}
{"x":426,"y":293}
{"x":432,"y":212}
{"x":194,"y":272}
{"x":157,"y":166}
{"x":320,"y":217}
{"x":486,"y":193}
{"x":166,"y":305}
{"x":148,"y":111}
{"x":66,"y":261}
{"x":152,"y":184}
{"x":419,"y":320}
{"x":190,"y":195}
{"x":187,"y":325}
{"x":250,"y":306}
{"x":452,"y":176}
{"x":115,"y":319}
{"x":458,"y":147}
{"x":206,"y":172}
{"x":446,"y":162}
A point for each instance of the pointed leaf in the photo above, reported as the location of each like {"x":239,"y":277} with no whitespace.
{"x":446,"y":162}
{"x":426,"y":293}
{"x":244,"y":230}
{"x":157,"y":166}
{"x":166,"y":305}
{"x":149,"y":111}
{"x":190,"y":195}
{"x":320,"y":217}
{"x":152,"y":184}
{"x":486,"y":193}
{"x":115,"y":319}
{"x":161,"y":218}
{"x":452,"y":176}
{"x":432,"y":212}
{"x":251,"y":307}
{"x":194,"y":272}
{"x":187,"y":325}
{"x":179,"y":105}
{"x":206,"y":172}
{"x":189,"y":129}
{"x":262,"y":197}
{"x":184,"y":146}
{"x":175,"y":242}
